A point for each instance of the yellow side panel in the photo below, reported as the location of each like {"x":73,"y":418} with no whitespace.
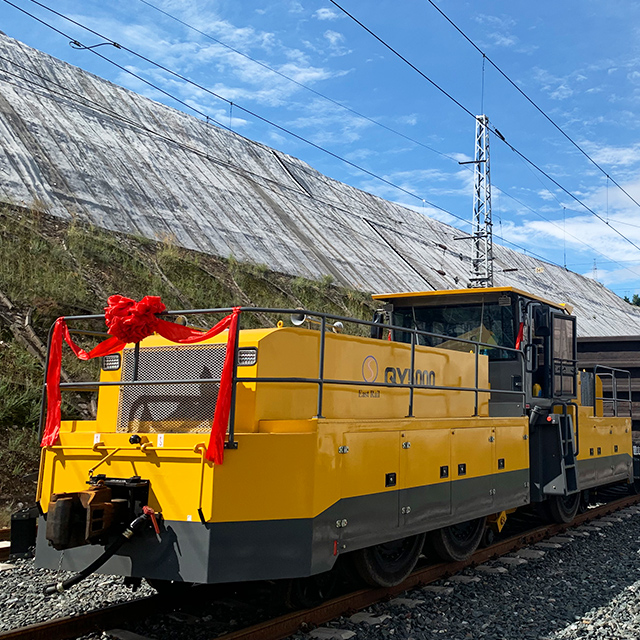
{"x":294,"y":353}
{"x":270,"y":477}
{"x":472,"y":446}
{"x":512,"y":447}
{"x":421,"y":462}
{"x":370,"y":458}
{"x":622,"y":438}
{"x":605,"y":433}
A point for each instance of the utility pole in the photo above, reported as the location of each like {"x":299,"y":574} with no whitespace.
{"x":482,"y":225}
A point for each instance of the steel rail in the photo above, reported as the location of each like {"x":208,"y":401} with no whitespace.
{"x":283,"y":626}
{"x":93,"y":621}
{"x":289,"y":624}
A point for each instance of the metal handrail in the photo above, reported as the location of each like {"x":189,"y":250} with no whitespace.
{"x":563,"y":364}
{"x":320,"y":381}
{"x":615,"y":401}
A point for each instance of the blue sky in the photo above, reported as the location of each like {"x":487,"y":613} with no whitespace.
{"x":579,"y":60}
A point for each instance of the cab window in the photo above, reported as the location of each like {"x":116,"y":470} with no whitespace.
{"x":491,"y":323}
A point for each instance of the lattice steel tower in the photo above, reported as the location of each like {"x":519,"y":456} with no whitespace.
{"x":482,"y":224}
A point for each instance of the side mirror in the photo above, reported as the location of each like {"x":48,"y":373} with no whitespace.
{"x":542,"y":321}
{"x":376,"y":331}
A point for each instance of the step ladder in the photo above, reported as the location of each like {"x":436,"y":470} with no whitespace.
{"x":568,"y":458}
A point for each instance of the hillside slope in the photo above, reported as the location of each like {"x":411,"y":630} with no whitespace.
{"x":51,"y":267}
{"x":80,"y":147}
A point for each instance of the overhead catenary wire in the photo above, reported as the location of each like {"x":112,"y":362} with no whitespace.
{"x":529,"y":99}
{"x":87,"y":103}
{"x":491,"y":128}
{"x":372,"y":120}
{"x":337,"y":103}
{"x":209,"y":91}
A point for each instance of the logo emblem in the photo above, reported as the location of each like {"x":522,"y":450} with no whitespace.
{"x":369,"y":369}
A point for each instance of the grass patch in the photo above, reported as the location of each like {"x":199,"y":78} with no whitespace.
{"x":50,"y":267}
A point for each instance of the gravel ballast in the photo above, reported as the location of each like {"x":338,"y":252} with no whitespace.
{"x":586,"y":585}
{"x":583,"y":584}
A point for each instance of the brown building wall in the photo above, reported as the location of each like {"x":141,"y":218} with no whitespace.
{"x":621,"y":352}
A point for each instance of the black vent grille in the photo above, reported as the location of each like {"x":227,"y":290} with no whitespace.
{"x":171,"y":408}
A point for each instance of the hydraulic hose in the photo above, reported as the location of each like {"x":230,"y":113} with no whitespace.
{"x":127,"y":534}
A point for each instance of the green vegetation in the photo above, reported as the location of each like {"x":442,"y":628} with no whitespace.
{"x":50,"y":267}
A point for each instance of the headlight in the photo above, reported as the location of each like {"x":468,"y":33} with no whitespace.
{"x":247,"y":357}
{"x":111,"y":362}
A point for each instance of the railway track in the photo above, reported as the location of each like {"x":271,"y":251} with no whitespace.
{"x":283,"y":626}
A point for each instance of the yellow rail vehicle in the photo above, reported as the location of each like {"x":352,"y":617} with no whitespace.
{"x":460,"y":407}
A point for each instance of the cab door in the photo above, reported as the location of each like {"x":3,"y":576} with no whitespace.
{"x":564,"y":363}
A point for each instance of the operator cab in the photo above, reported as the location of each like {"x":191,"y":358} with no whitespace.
{"x":530,"y":342}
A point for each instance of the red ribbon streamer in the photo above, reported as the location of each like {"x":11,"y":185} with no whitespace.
{"x":128,"y":322}
{"x":520,"y":335}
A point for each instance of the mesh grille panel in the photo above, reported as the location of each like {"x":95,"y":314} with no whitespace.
{"x":171,"y":408}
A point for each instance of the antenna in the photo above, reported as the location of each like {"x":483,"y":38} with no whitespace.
{"x":482,"y":224}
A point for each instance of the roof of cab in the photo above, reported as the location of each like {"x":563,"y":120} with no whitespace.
{"x":414,"y":295}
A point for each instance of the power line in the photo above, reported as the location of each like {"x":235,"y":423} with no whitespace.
{"x":164,"y":68}
{"x":571,"y":195}
{"x":372,"y":174}
{"x":530,"y":100}
{"x":586,"y":244}
{"x":88,"y":103}
{"x":209,"y":91}
{"x":399,"y":55}
{"x":493,"y":129}
{"x":300,"y":84}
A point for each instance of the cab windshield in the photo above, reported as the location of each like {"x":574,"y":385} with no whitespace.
{"x":491,"y":323}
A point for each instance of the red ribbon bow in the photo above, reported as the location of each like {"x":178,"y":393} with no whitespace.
{"x":128,"y":322}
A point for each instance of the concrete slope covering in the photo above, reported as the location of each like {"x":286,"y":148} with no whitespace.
{"x":74,"y":144}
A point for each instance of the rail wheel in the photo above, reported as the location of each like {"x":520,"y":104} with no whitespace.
{"x":585,"y":499}
{"x":388,"y":564}
{"x":563,"y":509}
{"x":488,"y":537}
{"x":458,"y":541}
{"x":304,"y":593}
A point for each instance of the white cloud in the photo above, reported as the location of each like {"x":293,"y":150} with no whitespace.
{"x":501,"y":40}
{"x":334,"y":37}
{"x":410,"y":120}
{"x":496,"y":22}
{"x":561,"y":92}
{"x":499,"y":34}
{"x":612,"y":155}
{"x":545,"y":194}
{"x":336,"y":40}
{"x":327,"y":13}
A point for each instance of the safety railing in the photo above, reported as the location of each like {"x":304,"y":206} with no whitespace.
{"x":564,"y":371}
{"x":614,"y":401}
{"x":321,"y":380}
